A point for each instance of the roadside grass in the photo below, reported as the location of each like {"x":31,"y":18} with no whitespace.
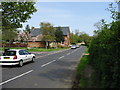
{"x":87,"y":50}
{"x":83,"y":72}
{"x":44,"y":49}
{"x":80,"y":72}
{"x":82,"y":64}
{"x":36,"y":49}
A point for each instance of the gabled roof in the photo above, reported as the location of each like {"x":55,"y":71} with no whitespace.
{"x":37,"y":31}
{"x":65,"y":30}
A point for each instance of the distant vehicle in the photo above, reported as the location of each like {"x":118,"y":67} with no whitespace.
{"x":70,"y":45}
{"x":16,"y":57}
{"x":77,"y":46}
{"x":73,"y":47}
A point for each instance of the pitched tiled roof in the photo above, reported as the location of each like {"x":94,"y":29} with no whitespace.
{"x":35,"y":32}
{"x":65,"y":30}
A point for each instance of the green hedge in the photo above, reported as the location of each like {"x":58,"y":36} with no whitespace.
{"x":105,"y":56}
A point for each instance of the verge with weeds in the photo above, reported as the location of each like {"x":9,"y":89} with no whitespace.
{"x":83,"y":73}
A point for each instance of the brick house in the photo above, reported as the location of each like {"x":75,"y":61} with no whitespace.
{"x":66,"y":33}
{"x":36,"y":37}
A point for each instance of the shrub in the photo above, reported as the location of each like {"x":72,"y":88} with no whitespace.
{"x":104,"y":56}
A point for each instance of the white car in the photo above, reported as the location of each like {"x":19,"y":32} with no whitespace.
{"x":77,"y":46}
{"x":16,"y":57}
{"x":73,"y":47}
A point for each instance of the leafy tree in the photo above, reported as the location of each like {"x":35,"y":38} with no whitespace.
{"x":59,"y":35}
{"x":14,"y":14}
{"x":27,"y":28}
{"x":115,"y":15}
{"x":85,"y":38}
{"x":27,"y":32}
{"x":80,"y":37}
{"x":104,"y":53}
{"x":48,"y":32}
{"x":99,"y":26}
{"x":73,"y":38}
{"x":9,"y":34}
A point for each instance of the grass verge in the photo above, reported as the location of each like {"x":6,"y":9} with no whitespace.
{"x":36,"y":49}
{"x":45,"y":50}
{"x":83,"y":73}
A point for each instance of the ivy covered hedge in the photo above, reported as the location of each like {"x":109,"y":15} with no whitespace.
{"x":105,"y":57}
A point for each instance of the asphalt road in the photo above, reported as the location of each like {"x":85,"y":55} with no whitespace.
{"x":50,"y":70}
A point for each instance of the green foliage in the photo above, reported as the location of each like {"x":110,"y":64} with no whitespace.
{"x":48,"y":31}
{"x":82,"y":80}
{"x":114,"y":13}
{"x":85,"y":38}
{"x":13,"y":15}
{"x":82,"y":64}
{"x":35,"y":49}
{"x":99,"y":26}
{"x":9,"y":34}
{"x":27,"y":28}
{"x":73,"y":38}
{"x":104,"y":55}
{"x":59,"y":35}
{"x":83,"y":83}
{"x":45,"y":50}
{"x":80,"y":37}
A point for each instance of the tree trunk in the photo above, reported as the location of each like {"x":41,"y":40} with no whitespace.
{"x":46,"y":44}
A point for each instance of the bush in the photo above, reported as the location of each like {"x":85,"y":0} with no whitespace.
{"x":104,"y":56}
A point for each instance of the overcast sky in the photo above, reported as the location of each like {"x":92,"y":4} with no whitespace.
{"x":77,"y":15}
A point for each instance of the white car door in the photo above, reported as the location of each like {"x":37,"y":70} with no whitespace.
{"x":28,"y":55}
{"x":23,"y":56}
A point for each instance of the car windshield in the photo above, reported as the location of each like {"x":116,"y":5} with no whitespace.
{"x":9,"y":53}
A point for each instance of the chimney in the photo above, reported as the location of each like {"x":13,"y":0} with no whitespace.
{"x":33,"y":28}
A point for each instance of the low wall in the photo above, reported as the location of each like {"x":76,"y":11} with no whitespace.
{"x":36,"y":44}
{"x":14,"y":45}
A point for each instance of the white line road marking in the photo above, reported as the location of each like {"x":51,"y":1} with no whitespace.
{"x":58,"y":58}
{"x":61,"y":57}
{"x":75,"y":50}
{"x":47,"y":63}
{"x":52,"y":53}
{"x":15,"y":77}
{"x":68,"y":54}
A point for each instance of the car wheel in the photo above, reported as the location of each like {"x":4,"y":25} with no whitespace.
{"x":21,"y":63}
{"x":33,"y":59}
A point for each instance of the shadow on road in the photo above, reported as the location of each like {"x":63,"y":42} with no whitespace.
{"x":63,"y":72}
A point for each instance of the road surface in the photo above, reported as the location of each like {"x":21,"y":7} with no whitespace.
{"x":50,"y":70}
